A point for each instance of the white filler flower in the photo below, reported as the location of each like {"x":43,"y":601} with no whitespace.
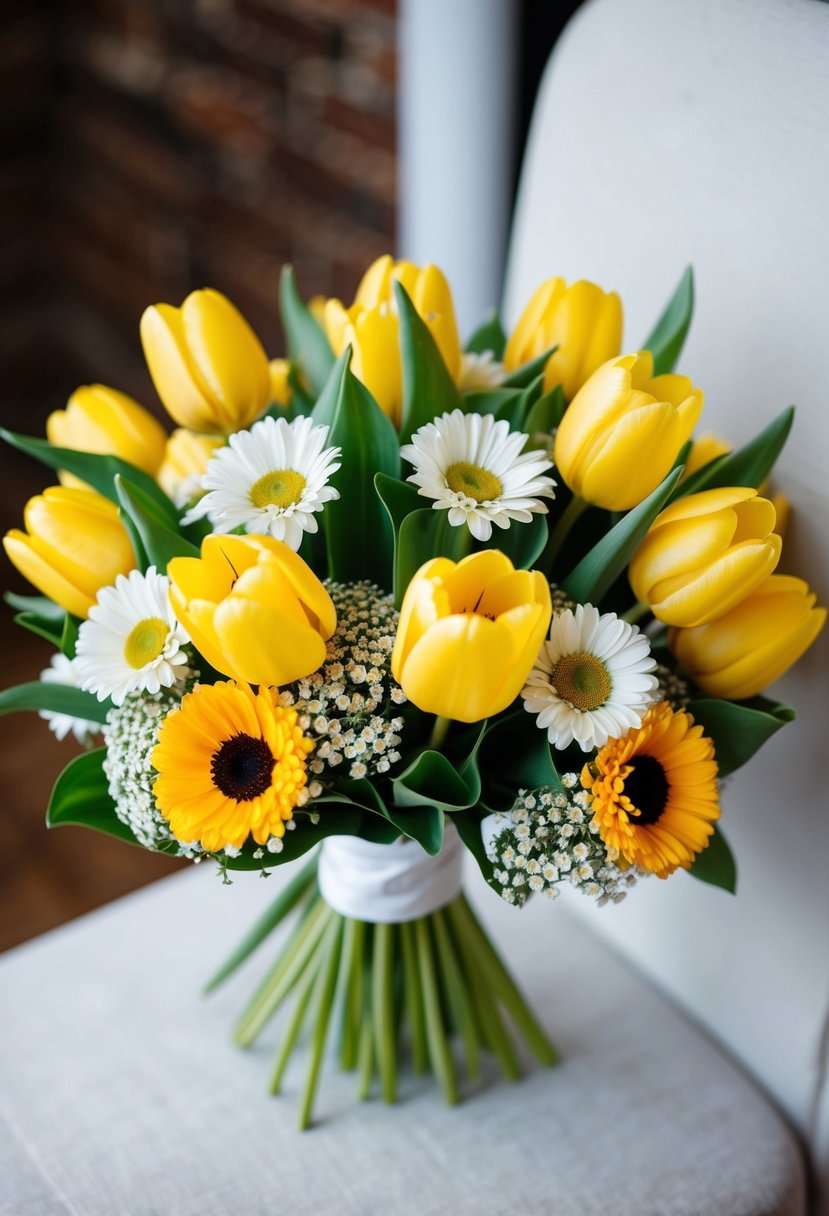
{"x":132,"y":641}
{"x":475,"y":468}
{"x":592,"y":680}
{"x":270,"y":480}
{"x":63,"y":671}
{"x":480,"y":372}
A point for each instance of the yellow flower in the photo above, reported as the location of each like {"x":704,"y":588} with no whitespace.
{"x":622,"y":412}
{"x":231,"y":764}
{"x":208,"y":365}
{"x":74,"y":545}
{"x":102,"y":420}
{"x":742,"y":652}
{"x":253,"y":608}
{"x":704,"y":554}
{"x":370,"y":326}
{"x":703,"y":450}
{"x":468,"y":634}
{"x":654,"y":792}
{"x":280,"y":388}
{"x":185,"y":460}
{"x":584,"y":322}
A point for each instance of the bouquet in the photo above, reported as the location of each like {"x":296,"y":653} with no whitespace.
{"x":389,"y":600}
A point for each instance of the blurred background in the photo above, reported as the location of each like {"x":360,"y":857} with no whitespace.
{"x":156,"y":146}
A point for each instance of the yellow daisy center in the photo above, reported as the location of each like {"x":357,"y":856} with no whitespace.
{"x":473,"y":481}
{"x":146,"y":641}
{"x":279,"y":488}
{"x":581,"y":679}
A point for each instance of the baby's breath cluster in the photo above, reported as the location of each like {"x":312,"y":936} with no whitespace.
{"x":550,"y":837}
{"x":561,"y":600}
{"x":130,"y":734}
{"x":350,"y":702}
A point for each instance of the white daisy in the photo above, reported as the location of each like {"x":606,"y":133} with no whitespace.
{"x":592,"y":679}
{"x":270,"y":479}
{"x":475,"y":468}
{"x":132,"y":641}
{"x":63,"y":671}
{"x":481,"y":371}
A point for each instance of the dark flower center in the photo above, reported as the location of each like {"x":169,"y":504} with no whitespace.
{"x":647,"y":788}
{"x":242,"y":767}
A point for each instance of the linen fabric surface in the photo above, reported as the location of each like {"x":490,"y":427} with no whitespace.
{"x":122,"y":1095}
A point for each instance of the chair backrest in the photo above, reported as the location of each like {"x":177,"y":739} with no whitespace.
{"x":676,"y":131}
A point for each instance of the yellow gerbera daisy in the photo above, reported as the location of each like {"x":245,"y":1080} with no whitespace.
{"x":231,"y":763}
{"x":655,"y":791}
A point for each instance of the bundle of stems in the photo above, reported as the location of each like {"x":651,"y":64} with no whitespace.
{"x":424,"y":980}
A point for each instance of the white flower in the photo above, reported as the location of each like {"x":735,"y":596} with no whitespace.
{"x":481,"y":371}
{"x":475,"y":468}
{"x":132,"y":641}
{"x":63,"y":671}
{"x":270,"y":480}
{"x":591,"y":681}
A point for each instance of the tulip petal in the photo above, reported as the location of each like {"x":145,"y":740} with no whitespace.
{"x":247,"y":630}
{"x":462,"y":669}
{"x":227,"y":357}
{"x":718,"y":587}
{"x":375,"y":285}
{"x":175,"y":379}
{"x":376,"y":360}
{"x":618,"y":477}
{"x":24,"y":553}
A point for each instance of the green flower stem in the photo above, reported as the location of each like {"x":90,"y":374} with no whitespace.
{"x":504,"y":987}
{"x":365,"y":1054}
{"x":439,"y":1050}
{"x":352,"y":999}
{"x":292,"y":1031}
{"x":323,"y":999}
{"x":572,"y":513}
{"x":383,"y":1010}
{"x":457,"y":996}
{"x":439,"y":733}
{"x":279,"y":983}
{"x":413,"y":1004}
{"x":491,"y":1029}
{"x":634,"y":614}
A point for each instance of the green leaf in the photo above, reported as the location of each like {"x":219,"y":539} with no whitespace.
{"x":307,"y":344}
{"x":522,"y":376}
{"x":432,"y":778}
{"x":522,"y":543}
{"x":69,"y":635}
{"x":497,"y":401}
{"x":428,"y":388}
{"x":44,"y":629}
{"x":517,"y":754}
{"x":468,"y":824}
{"x":59,"y":698}
{"x":425,"y":534}
{"x":97,"y":471}
{"x":750,"y":466}
{"x":600,"y":568}
{"x":516,"y":414}
{"x":716,"y":864}
{"x":547,"y":413}
{"x":358,"y":532}
{"x":37,"y":605}
{"x":425,"y":824}
{"x":488,"y":336}
{"x":159,"y":542}
{"x":668,"y":336}
{"x":81,"y":797}
{"x":739,"y":729}
{"x":338,"y":820}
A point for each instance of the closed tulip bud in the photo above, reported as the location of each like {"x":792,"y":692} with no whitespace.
{"x":468,"y":634}
{"x":746,"y":649}
{"x":280,"y":385}
{"x":622,"y":412}
{"x":185,"y":461}
{"x":582,"y":320}
{"x":253,"y":609}
{"x":207,"y":364}
{"x":704,"y":554}
{"x":102,"y":420}
{"x":74,"y":545}
{"x":703,"y":450}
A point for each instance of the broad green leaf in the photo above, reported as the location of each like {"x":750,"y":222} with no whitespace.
{"x":335,"y":820}
{"x":400,"y":499}
{"x":496,"y":401}
{"x":516,"y":753}
{"x":37,"y":605}
{"x":750,"y":466}
{"x":432,"y":778}
{"x":44,"y":629}
{"x":159,"y":542}
{"x":522,"y":543}
{"x":516,"y":413}
{"x":307,"y":344}
{"x":59,"y":698}
{"x":428,"y":388}
{"x":739,"y":729}
{"x":99,"y":472}
{"x":522,"y":376}
{"x":488,"y":336}
{"x":69,"y":635}
{"x":81,"y":797}
{"x":716,"y":864}
{"x":600,"y":568}
{"x":667,"y":338}
{"x":468,"y":824}
{"x":326,"y":406}
{"x":425,"y":824}
{"x":420,"y":823}
{"x":425,"y":534}
{"x":547,"y":413}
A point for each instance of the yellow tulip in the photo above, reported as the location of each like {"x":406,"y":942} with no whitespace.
{"x":582,"y":320}
{"x":703,"y":450}
{"x":74,"y":545}
{"x":704,"y":554}
{"x":370,"y":326}
{"x":253,"y":608}
{"x":185,"y":460}
{"x":742,"y":652}
{"x":622,"y":431}
{"x":280,"y":387}
{"x":208,"y":365}
{"x":469,"y":634}
{"x":102,"y":420}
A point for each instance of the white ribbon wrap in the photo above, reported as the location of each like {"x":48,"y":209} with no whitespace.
{"x":388,"y":883}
